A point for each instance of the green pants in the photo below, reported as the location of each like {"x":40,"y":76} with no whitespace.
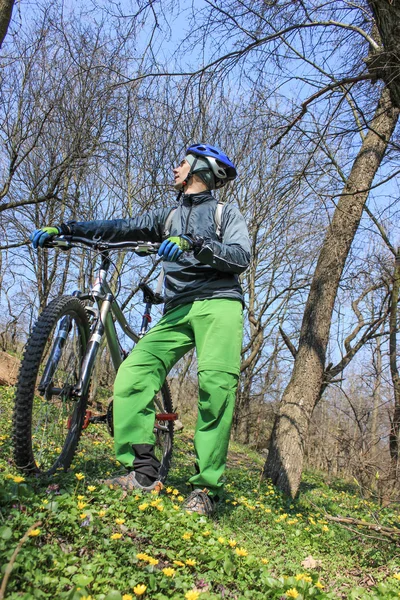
{"x":215,"y":328}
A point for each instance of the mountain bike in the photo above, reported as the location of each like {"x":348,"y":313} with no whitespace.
{"x":50,"y":410}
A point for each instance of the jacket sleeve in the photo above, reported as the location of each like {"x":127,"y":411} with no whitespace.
{"x":232,"y":255}
{"x":146,"y":228}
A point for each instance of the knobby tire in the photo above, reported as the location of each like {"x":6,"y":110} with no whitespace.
{"x":164,"y":441}
{"x":27,"y":452}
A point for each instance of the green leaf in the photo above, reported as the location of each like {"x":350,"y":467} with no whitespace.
{"x":229,"y":567}
{"x":82,"y":580}
{"x":71,"y":569}
{"x":113,"y":595}
{"x":5,"y":532}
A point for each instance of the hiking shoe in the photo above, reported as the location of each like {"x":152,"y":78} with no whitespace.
{"x":134,"y":481}
{"x":199,"y":501}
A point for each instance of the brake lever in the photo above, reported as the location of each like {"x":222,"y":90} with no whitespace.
{"x":60,"y":242}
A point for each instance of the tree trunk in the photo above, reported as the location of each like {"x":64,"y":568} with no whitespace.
{"x":289,"y":436}
{"x":394,"y":372}
{"x":6,"y":7}
{"x":385,"y":63}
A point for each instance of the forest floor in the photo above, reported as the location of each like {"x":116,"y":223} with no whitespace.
{"x":95,"y":543}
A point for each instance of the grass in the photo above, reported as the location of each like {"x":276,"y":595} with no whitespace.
{"x":102,"y":544}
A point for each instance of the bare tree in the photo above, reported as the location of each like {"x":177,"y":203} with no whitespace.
{"x":6,"y":8}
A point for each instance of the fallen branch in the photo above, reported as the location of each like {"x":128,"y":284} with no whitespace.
{"x":391,"y":532}
{"x":10,"y":565}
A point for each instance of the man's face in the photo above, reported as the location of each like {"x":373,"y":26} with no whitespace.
{"x":180,"y":174}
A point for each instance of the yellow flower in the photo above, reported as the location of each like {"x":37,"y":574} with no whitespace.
{"x":116,"y":536}
{"x":397,"y":576}
{"x":168,"y":572}
{"x":143,"y":506}
{"x":190,"y":562}
{"x":264,"y":561}
{"x":139,"y":589}
{"x":102,"y":513}
{"x":79,"y":476}
{"x":86,"y":598}
{"x":206,"y":533}
{"x":160,"y":507}
{"x":232,"y":543}
{"x":180,"y":498}
{"x":91,"y":488}
{"x":241,"y":552}
{"x":192,"y":595}
{"x":319,"y":585}
{"x":80,"y":497}
{"x":34,"y":532}
{"x":221,"y":540}
{"x":120,"y":521}
{"x":142,"y":556}
{"x":175,"y":507}
{"x":81,"y":505}
{"x":187,"y":536}
{"x":179,"y":563}
{"x":152,"y":561}
{"x":175,"y":492}
{"x":169,"y":490}
{"x":303,"y":577}
{"x":292,"y":593}
{"x":18,"y":479}
{"x":83,"y":516}
{"x":325,"y":528}
{"x":127,"y":597}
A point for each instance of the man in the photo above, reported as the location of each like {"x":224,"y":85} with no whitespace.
{"x":203,"y":309}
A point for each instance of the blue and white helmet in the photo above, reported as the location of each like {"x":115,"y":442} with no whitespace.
{"x":211,"y":158}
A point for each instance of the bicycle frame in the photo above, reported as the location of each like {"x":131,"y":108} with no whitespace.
{"x":106,"y":307}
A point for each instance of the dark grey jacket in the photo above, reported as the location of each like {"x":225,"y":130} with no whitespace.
{"x":213,"y":272}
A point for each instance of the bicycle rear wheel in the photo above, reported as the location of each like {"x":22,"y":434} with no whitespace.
{"x":48,"y":417}
{"x":164,"y":430}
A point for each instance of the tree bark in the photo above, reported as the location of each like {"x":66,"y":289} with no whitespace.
{"x":394,"y":372}
{"x":289,"y":436}
{"x":385,"y":64}
{"x":6,"y":7}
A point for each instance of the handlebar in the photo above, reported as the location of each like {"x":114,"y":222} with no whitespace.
{"x":65,"y":242}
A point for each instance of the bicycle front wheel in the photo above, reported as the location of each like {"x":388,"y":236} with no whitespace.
{"x":48,"y":415}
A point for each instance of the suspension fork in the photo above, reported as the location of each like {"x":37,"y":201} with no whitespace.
{"x":59,"y":342}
